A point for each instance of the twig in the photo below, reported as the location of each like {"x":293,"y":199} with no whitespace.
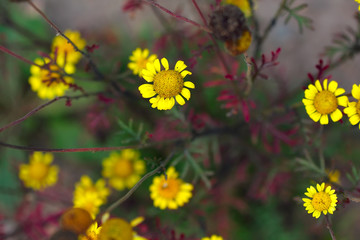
{"x":91,"y":63}
{"x":260,"y":39}
{"x":35,"y":110}
{"x":206,"y":29}
{"x":328,"y":226}
{"x":133,"y":189}
{"x":4,"y":49}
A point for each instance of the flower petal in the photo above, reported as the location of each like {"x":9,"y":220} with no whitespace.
{"x":189,"y":84}
{"x":157,"y":65}
{"x":185,"y":73}
{"x":165,"y":63}
{"x":336,"y":115}
{"x":324,"y":119}
{"x":333,"y":86}
{"x":186,"y":93}
{"x":356,"y":91}
{"x":343,"y":101}
{"x":179,"y":99}
{"x":318,"y":85}
{"x":179,"y":66}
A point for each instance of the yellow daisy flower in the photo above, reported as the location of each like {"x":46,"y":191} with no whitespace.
{"x":244,"y":6}
{"x":123,"y":169}
{"x":322,"y":201}
{"x":39,"y":173}
{"x":65,"y":51}
{"x":90,"y":201}
{"x":86,"y":185}
{"x":49,"y":80}
{"x":167,"y":84}
{"x":92,"y":233}
{"x":353,"y":108}
{"x":358,"y":1}
{"x":213,"y":237}
{"x":170,"y":192}
{"x":320,"y":102}
{"x":139,"y":59}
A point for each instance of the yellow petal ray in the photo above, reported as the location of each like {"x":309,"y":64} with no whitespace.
{"x":186,"y":93}
{"x":324,"y":119}
{"x":318,"y":85}
{"x":165,"y":63}
{"x":189,"y":84}
{"x":179,"y":99}
{"x":179,"y":66}
{"x":325,"y":84}
{"x":157,"y":65}
{"x":333,"y":86}
{"x":355,"y":92}
{"x":336,"y":115}
{"x":343,"y":101}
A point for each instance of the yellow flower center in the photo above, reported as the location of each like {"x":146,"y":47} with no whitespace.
{"x":123,"y":168}
{"x":325,"y":102}
{"x":38,"y":170}
{"x":168,"y":83}
{"x":169,"y":188}
{"x":321,"y":201}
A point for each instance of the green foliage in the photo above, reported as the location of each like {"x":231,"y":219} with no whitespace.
{"x":292,"y":12}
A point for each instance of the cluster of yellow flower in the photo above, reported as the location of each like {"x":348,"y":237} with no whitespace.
{"x":358,"y":1}
{"x":322,"y":101}
{"x":50,"y":75}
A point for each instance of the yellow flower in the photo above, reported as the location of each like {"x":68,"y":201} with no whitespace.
{"x":90,"y":201}
{"x":86,"y":185}
{"x":170,"y":192}
{"x":320,"y":102}
{"x":39,"y":173}
{"x":244,"y":6}
{"x":49,"y":80}
{"x":139,"y":59}
{"x":120,"y":229}
{"x":334,"y":176}
{"x":213,"y":237}
{"x":353,"y":109}
{"x":166,"y":84}
{"x":65,"y":51}
{"x":123,"y":169}
{"x":92,"y":233}
{"x":322,"y":201}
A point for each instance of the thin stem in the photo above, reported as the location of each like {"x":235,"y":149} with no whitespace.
{"x":4,"y":49}
{"x":91,"y":63}
{"x":35,"y":110}
{"x":95,"y":149}
{"x":261,"y":39}
{"x":199,"y":11}
{"x":328,"y":226}
{"x":133,"y":189}
{"x":206,"y":29}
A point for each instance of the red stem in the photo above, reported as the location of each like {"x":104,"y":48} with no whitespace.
{"x":4,"y":49}
{"x":178,"y":16}
{"x":199,"y":11}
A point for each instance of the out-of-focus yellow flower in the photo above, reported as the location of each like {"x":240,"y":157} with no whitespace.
{"x":123,"y":169}
{"x":239,"y":45}
{"x":92,"y":233}
{"x":213,"y":237}
{"x":86,"y":185}
{"x":139,"y":59}
{"x":358,"y":1}
{"x":90,"y":201}
{"x":334,"y":176}
{"x":353,"y":108}
{"x":49,"y":79}
{"x":170,"y":192}
{"x":39,"y":173}
{"x":321,"y":201}
{"x":65,"y":51}
{"x":165,"y":86}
